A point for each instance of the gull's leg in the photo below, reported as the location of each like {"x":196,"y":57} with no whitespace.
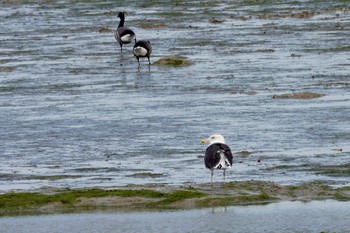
{"x":224,"y":176}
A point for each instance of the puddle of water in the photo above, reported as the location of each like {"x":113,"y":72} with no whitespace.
{"x":316,"y":216}
{"x":72,"y":106}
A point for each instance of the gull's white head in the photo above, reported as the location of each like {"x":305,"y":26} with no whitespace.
{"x":215,"y":138}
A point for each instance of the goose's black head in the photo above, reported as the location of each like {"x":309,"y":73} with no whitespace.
{"x":121,"y":15}
{"x":122,"y":18}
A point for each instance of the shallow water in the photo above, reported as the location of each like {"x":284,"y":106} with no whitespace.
{"x":74,"y":112}
{"x":316,"y":216}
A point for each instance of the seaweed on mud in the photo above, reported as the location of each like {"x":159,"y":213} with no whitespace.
{"x":146,"y":175}
{"x":168,"y":197}
{"x":303,"y":95}
{"x":173,"y":61}
{"x":334,"y":170}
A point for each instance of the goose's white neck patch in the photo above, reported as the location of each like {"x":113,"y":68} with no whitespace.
{"x":140,"y":51}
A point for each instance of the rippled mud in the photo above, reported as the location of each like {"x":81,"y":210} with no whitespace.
{"x":75,"y":112}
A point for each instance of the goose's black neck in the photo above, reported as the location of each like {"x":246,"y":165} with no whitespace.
{"x":122,"y":19}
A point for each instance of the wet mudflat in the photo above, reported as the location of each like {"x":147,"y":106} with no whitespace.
{"x":77,"y":113}
{"x":272,"y":77}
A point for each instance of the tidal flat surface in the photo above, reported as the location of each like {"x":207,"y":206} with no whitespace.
{"x":75,"y":112}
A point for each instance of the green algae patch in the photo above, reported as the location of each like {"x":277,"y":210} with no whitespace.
{"x":173,"y":61}
{"x":147,"y":175}
{"x":55,"y":177}
{"x":180,"y":195}
{"x":156,"y":197}
{"x":65,"y":199}
{"x":93,"y":199}
{"x":6,"y":69}
{"x":303,"y":96}
{"x":105,"y":30}
{"x":342,"y":170}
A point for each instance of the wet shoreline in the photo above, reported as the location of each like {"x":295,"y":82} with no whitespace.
{"x":75,"y":113}
{"x":91,"y":142}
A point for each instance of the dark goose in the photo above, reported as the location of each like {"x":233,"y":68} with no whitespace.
{"x":123,"y":35}
{"x":142,"y":48}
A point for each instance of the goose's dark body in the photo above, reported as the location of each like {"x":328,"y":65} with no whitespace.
{"x":142,"y":48}
{"x":123,"y":35}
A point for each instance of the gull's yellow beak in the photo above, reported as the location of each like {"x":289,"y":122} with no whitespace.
{"x":203,"y":141}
